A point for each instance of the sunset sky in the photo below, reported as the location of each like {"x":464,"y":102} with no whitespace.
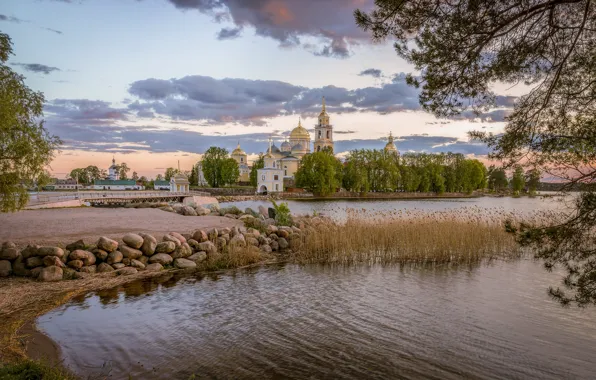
{"x":151,"y":82}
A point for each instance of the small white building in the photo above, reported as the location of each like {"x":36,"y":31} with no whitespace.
{"x":107,"y":184}
{"x":270,"y":179}
{"x":113,"y":172}
{"x":179,"y":183}
{"x":161,"y":185}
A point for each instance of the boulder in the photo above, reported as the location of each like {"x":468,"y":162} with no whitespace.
{"x":274,"y":245}
{"x":75,"y":264}
{"x":5,"y":268}
{"x":173,"y":239}
{"x":252,"y":241}
{"x":231,"y":216}
{"x":29,"y":251}
{"x":188,"y":211}
{"x":52,"y":273}
{"x":126,"y":261}
{"x":104,"y":268}
{"x":167,"y":209}
{"x":273,"y":237}
{"x":144,"y":260}
{"x":235,"y":231}
{"x":127,"y":271}
{"x":266,"y":248}
{"x":246,"y":217}
{"x":107,"y":244}
{"x":7,"y":245}
{"x":184,"y":264}
{"x":118,"y":266}
{"x":198,"y":257}
{"x":183,"y":251}
{"x":296,"y":229}
{"x":19,"y":268}
{"x":224,"y":231}
{"x":155,"y":267}
{"x":165,"y":247}
{"x":100,"y":254}
{"x":202,"y":211}
{"x":161,"y":258}
{"x":226,"y":237}
{"x":283,"y":234}
{"x":79,"y":244}
{"x":208,"y":247}
{"x":271,"y":229}
{"x":133,"y":240}
{"x":214,"y":207}
{"x":213,"y":234}
{"x":254,"y":232}
{"x":88,"y":269}
{"x":251,"y":212}
{"x":50,"y":251}
{"x":221,"y":243}
{"x":68,"y":273}
{"x":36,"y":271}
{"x":263,"y":211}
{"x":130,"y":253}
{"x":200,"y":236}
{"x":137,"y":264}
{"x":193,"y":243}
{"x":79,"y":254}
{"x":49,"y":261}
{"x":238,"y":241}
{"x":114,"y":257}
{"x":271,"y":212}
{"x":9,"y":253}
{"x":187,"y":237}
{"x":178,"y":236}
{"x":149,"y":244}
{"x":34,"y":262}
{"x":283,"y":243}
{"x":89,"y":259}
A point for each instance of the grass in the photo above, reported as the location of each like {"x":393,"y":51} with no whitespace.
{"x":234,"y":258}
{"x":33,"y":370}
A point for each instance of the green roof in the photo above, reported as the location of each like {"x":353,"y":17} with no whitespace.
{"x":109,"y":182}
{"x":161,"y":183}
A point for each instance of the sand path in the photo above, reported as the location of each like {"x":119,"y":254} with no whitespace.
{"x":54,"y":226}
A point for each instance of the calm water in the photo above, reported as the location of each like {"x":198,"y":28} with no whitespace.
{"x":487,"y":322}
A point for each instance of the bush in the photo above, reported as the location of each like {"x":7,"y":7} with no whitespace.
{"x":33,"y":370}
{"x":283,"y":216}
{"x":230,"y":210}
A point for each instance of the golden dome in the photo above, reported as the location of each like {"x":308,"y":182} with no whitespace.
{"x":299,"y":132}
{"x":390,"y":146}
{"x":238,"y":150}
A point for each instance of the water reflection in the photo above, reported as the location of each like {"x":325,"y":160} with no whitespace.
{"x":286,"y":321}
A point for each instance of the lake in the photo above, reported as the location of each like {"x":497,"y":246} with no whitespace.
{"x":489,"y":321}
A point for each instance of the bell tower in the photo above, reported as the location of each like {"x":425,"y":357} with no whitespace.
{"x":323,"y":131}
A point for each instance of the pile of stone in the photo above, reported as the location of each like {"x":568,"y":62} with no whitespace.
{"x":141,"y":252}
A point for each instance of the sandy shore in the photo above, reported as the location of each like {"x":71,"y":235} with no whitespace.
{"x":55,"y":226}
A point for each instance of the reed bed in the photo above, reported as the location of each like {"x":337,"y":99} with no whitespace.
{"x":453,"y":236}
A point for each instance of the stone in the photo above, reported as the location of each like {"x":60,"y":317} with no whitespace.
{"x":107,"y":244}
{"x":283,"y":234}
{"x":52,"y":273}
{"x":173,"y":239}
{"x":273,"y":237}
{"x":126,"y":261}
{"x":200,"y":236}
{"x":79,"y":244}
{"x":118,"y":266}
{"x":226,"y":236}
{"x":36,"y":271}
{"x":208,"y":247}
{"x":231,"y":216}
{"x":7,"y":245}
{"x":193,"y":243}
{"x":198,"y":257}
{"x":183,"y":251}
{"x":104,"y":268}
{"x":213,"y":234}
{"x":149,"y":244}
{"x":75,"y":264}
{"x":178,"y":236}
{"x":271,"y":212}
{"x":274,"y":245}
{"x":19,"y":267}
{"x":68,"y":273}
{"x":187,"y":237}
{"x":188,"y":211}
{"x":29,"y":251}
{"x":238,"y":241}
{"x":114,"y":257}
{"x":50,"y":251}
{"x":80,"y":275}
{"x":221,"y":243}
{"x":168,"y":209}
{"x":271,"y":229}
{"x":246,"y":217}
{"x":5,"y":268}
{"x":133,"y":240}
{"x":100,"y":254}
{"x":235,"y":231}
{"x":155,"y":267}
{"x":296,"y":229}
{"x":161,"y":258}
{"x":79,"y":254}
{"x":49,"y":261}
{"x":266,"y":248}
{"x":137,"y":264}
{"x":254,"y":232}
{"x":252,"y":241}
{"x":144,"y":260}
{"x":283,"y":243}
{"x":130,"y":253}
{"x":184,"y":264}
{"x":165,"y":247}
{"x":88,"y":269}
{"x":9,"y":253}
{"x":33,"y":262}
{"x":263,"y":211}
{"x":127,"y":271}
{"x":202,"y":211}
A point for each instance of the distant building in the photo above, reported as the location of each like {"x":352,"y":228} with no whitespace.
{"x":270,"y":179}
{"x":179,"y":183}
{"x":65,"y":184}
{"x":161,"y":185}
{"x":390,"y":147}
{"x":121,"y":184}
{"x":242,"y":159}
{"x":201,"y":176}
{"x":113,"y":172}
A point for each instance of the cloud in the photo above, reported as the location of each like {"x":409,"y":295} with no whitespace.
{"x":37,"y":67}
{"x":53,"y":30}
{"x":11,"y":19}
{"x":291,"y":22}
{"x":229,"y":33}
{"x":375,"y":73}
{"x":77,"y":112}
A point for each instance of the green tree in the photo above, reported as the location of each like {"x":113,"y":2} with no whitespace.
{"x":86,"y":176}
{"x":170,"y":172}
{"x":218,"y":168}
{"x":533,"y":180}
{"x":258,"y":164}
{"x":497,"y":179}
{"x":461,"y":48}
{"x":517,"y":181}
{"x":193,"y":176}
{"x":159,"y":177}
{"x":319,"y":173}
{"x":43,"y":179}
{"x":135,"y":176}
{"x":123,"y":170}
{"x":26,"y":147}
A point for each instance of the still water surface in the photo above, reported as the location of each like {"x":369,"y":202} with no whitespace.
{"x":487,"y":322}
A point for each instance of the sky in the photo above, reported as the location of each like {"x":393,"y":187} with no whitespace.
{"x":157,"y":82}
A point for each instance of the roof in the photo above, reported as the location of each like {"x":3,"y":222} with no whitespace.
{"x":299,"y":132}
{"x":238,"y":150}
{"x":298,"y":148}
{"x":290,"y":158}
{"x":108,"y":182}
{"x":274,"y":149}
{"x":161,"y":183}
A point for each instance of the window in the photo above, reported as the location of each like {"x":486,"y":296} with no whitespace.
{"x":319,"y":148}
{"x":263,"y":177}
{"x":285,"y":172}
{"x":241,"y":159}
{"x":275,"y":178}
{"x":320,"y":134}
{"x":276,"y":186}
{"x":328,"y":134}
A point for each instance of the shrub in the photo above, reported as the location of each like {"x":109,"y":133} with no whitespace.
{"x":283,"y":216}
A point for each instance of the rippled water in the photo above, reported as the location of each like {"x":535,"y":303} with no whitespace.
{"x":489,"y":321}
